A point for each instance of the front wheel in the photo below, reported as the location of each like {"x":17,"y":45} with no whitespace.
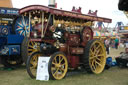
{"x":32,"y":62}
{"x":58,"y":66}
{"x":94,"y":58}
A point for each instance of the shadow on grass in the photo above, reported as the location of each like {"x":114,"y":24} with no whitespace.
{"x":12,"y":68}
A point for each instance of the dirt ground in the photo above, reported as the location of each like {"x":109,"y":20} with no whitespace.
{"x":112,"y":76}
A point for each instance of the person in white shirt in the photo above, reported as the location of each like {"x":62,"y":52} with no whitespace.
{"x":107,"y":42}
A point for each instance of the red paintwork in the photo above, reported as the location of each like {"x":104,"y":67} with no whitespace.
{"x":87,"y":35}
{"x":73,"y":40}
{"x":35,"y":39}
{"x":74,"y":61}
{"x":76,"y":10}
{"x":76,"y":50}
{"x":64,"y":13}
{"x":92,"y":13}
{"x":50,"y":41}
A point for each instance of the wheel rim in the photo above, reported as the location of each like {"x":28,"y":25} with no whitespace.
{"x":59,"y":66}
{"x":87,"y":34}
{"x":33,"y":64}
{"x":97,"y":57}
{"x":32,"y":47}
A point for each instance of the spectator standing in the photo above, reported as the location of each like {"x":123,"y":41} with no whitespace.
{"x":107,"y":43}
{"x":116,"y":43}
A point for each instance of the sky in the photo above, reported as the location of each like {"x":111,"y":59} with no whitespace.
{"x":106,"y":8}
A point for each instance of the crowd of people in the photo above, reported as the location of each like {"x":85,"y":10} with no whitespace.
{"x":111,"y":43}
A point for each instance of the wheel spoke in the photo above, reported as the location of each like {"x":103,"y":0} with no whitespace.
{"x":31,"y":62}
{"x":101,"y":54}
{"x":95,"y":49}
{"x":61,"y":70}
{"x":34,"y":58}
{"x":97,"y":52}
{"x":91,"y":52}
{"x":92,"y":63}
{"x":33,"y":71}
{"x":30,"y":49}
{"x":53,"y":63}
{"x":94,"y":46}
{"x":94,"y":68}
{"x":61,"y":60}
{"x":55,"y":60}
{"x":56,"y":71}
{"x":98,"y":47}
{"x":31,"y":46}
{"x":91,"y":57}
{"x":31,"y":43}
{"x":98,"y":63}
{"x":53,"y":68}
{"x":32,"y":67}
{"x":98,"y":59}
{"x":63,"y":64}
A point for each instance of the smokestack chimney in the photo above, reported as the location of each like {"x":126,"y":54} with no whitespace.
{"x":51,"y":3}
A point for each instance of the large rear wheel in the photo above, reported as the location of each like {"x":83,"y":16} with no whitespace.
{"x":58,"y":66}
{"x":28,"y":47}
{"x":94,"y":56}
{"x":32,"y":63}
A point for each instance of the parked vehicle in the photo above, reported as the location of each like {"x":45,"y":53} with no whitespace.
{"x":10,"y":40}
{"x":64,"y":36}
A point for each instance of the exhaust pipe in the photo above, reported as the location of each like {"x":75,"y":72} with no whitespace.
{"x":51,"y":3}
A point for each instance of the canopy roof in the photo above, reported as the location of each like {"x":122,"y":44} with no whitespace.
{"x":63,"y":13}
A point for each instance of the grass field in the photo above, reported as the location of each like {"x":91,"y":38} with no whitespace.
{"x":112,"y":76}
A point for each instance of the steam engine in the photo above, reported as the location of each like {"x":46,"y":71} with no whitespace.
{"x":67,"y":40}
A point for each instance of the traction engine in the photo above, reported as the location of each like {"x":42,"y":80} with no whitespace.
{"x":64,"y":37}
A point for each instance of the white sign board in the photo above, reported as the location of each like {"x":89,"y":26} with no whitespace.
{"x":42,"y":69}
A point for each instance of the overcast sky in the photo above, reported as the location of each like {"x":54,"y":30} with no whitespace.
{"x":106,"y":8}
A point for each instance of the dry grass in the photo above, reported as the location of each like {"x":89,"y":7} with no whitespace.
{"x":113,"y":76}
{"x":115,"y":52}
